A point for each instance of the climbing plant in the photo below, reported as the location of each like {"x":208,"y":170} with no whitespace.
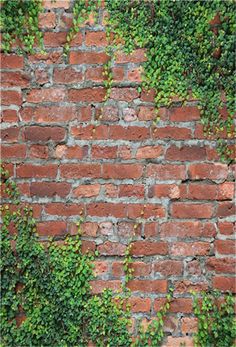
{"x":189,"y":46}
{"x":216,"y":320}
{"x":19,"y":25}
{"x":47,"y":287}
{"x":190,"y":49}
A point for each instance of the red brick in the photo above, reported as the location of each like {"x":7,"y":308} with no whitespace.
{"x":151,"y":210}
{"x":39,"y":151}
{"x":166,"y":172}
{"x":170,"y":132}
{"x":137,"y":56}
{"x":122,"y":171}
{"x":124,"y":94}
{"x":126,"y":229}
{"x":118,"y":74}
{"x":225,"y":246}
{"x":184,"y":114}
{"x":95,"y":74}
{"x":146,"y":113}
{"x":226,"y":191}
{"x":50,"y":114}
{"x":131,"y":133}
{"x":111,"y":190}
{"x":98,"y":286}
{"x":129,"y":114}
{"x":168,"y":268}
{"x":189,"y":210}
{"x":67,"y":76}
{"x":102,"y":209}
{"x":77,"y":40}
{"x":185,"y":153}
{"x":46,"y":95}
{"x":151,"y":286}
{"x":50,"y":189}
{"x":203,"y":192}
{"x":140,"y":304}
{"x":135,"y":74}
{"x":9,"y":116}
{"x":11,"y":97}
{"x":190,"y":248}
{"x":148,"y":95}
{"x":74,"y":152}
{"x":95,"y":38}
{"x":87,"y":191}
{"x":15,"y":79}
{"x":13,"y":151}
{"x":221,"y":265}
{"x":143,"y":248}
{"x":225,"y":209}
{"x":111,"y":248}
{"x":224,"y":283}
{"x":10,"y":135}
{"x":11,"y":61}
{"x":48,"y":58}
{"x":99,"y":152}
{"x":80,"y":170}
{"x":88,"y":58}
{"x":187,"y":229}
{"x":56,"y":4}
{"x":151,"y":229}
{"x":108,"y":113}
{"x":100,"y":268}
{"x":87,"y":229}
{"x":44,"y":134}
{"x":87,"y":133}
{"x":226,"y":228}
{"x":47,"y":20}
{"x":52,"y":228}
{"x":88,"y":246}
{"x":208,"y":171}
{"x":185,"y":286}
{"x":29,"y":171}
{"x":183,"y":305}
{"x":63,"y":209}
{"x":149,"y":152}
{"x":131,"y":190}
{"x":172,"y":191}
{"x":87,"y":94}
{"x":54,"y":39}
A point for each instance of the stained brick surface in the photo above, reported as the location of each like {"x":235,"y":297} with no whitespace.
{"x":164,"y":187}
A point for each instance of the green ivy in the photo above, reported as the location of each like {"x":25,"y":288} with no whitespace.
{"x":216,"y":320}
{"x":185,"y":53}
{"x":19,"y":24}
{"x":48,"y":285}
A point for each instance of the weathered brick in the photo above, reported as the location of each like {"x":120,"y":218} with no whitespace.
{"x":124,"y":94}
{"x":193,"y":153}
{"x":168,"y":268}
{"x":221,"y":265}
{"x":44,"y":134}
{"x":15,"y":79}
{"x":63,"y":209}
{"x":184,"y":114}
{"x":138,"y":304}
{"x":11,"y":61}
{"x":166,"y":172}
{"x":11,"y":97}
{"x":203,"y":171}
{"x":47,"y":20}
{"x":95,"y":38}
{"x":87,"y":94}
{"x":50,"y":189}
{"x":111,"y":248}
{"x":87,"y":191}
{"x":46,"y":95}
{"x":13,"y":151}
{"x":76,"y":58}
{"x":143,"y":248}
{"x":224,"y":283}
{"x":225,"y":246}
{"x":147,"y":152}
{"x":190,"y":210}
{"x":189,"y":248}
{"x":67,"y":76}
{"x":29,"y":170}
{"x":148,"y":286}
{"x":80,"y":170}
{"x":122,"y":171}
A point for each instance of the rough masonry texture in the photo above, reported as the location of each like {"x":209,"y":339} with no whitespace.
{"x":163,"y":187}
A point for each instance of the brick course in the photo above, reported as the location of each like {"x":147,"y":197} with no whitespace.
{"x":164,"y":187}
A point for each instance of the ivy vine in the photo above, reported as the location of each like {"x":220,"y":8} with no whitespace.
{"x":19,"y":24}
{"x":190,"y":48}
{"x":216,"y":320}
{"x":47,"y":287}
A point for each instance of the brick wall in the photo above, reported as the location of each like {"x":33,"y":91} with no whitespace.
{"x":164,"y":186}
